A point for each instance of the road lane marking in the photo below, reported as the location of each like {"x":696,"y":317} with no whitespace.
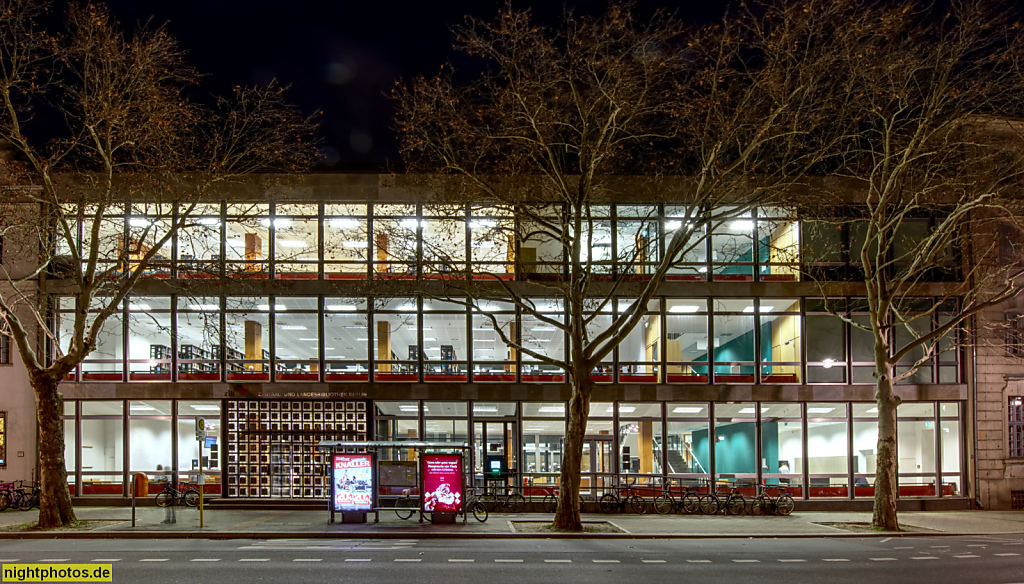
{"x":11,"y":561}
{"x":154,"y":559}
{"x":886,"y":540}
{"x":308,"y":560}
{"x":883,"y":559}
{"x":836,"y":560}
{"x":205,"y":560}
{"x":923,"y":558}
{"x":905,"y":547}
{"x":254,"y":560}
{"x":938,"y":546}
{"x":605,"y":561}
{"x":1014,"y":543}
{"x":699,"y":561}
{"x":653,"y":561}
{"x":967,"y":556}
{"x":96,"y":560}
{"x":507,"y":561}
{"x":408,"y":559}
{"x":52,"y":560}
{"x":981,"y":545}
{"x":792,"y":560}
{"x":558,"y":561}
{"x":358,"y":559}
{"x":1006,"y":555}
{"x":457,"y":560}
{"x":747,"y":561}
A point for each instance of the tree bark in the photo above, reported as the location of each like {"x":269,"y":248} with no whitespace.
{"x":886,"y":480}
{"x":55,"y":508}
{"x":567,"y":515}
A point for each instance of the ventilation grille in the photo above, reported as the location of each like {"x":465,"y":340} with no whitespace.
{"x":1017,"y":500}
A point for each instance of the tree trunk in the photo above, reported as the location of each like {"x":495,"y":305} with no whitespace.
{"x":567,"y":515}
{"x":55,"y":508}
{"x":886,"y":480}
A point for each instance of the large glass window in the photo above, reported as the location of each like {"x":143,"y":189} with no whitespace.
{"x":106,"y":361}
{"x":199,"y":241}
{"x":736,"y":442}
{"x":542,"y":337}
{"x":916,"y":435}
{"x":732,"y":248}
{"x":247,"y":337}
{"x":640,"y":438}
{"x":396,"y":230}
{"x":827,"y":459}
{"x":297,"y":339}
{"x":396,"y":339}
{"x":778,"y":246}
{"x":637,"y":238}
{"x":734,"y":346}
{"x":780,"y":340}
{"x":865,"y":447}
{"x":347,"y":335}
{"x":950,"y":445}
{"x":686,"y":340}
{"x":687,"y":442}
{"x":149,"y":338}
{"x":640,"y":351}
{"x":445,"y":351}
{"x":493,"y":359}
{"x":346,"y":241}
{"x":102,"y":448}
{"x":198,"y":339}
{"x":782,"y":440}
{"x":149,"y":432}
{"x":826,"y":343}
{"x":248,"y":233}
{"x":296,"y":241}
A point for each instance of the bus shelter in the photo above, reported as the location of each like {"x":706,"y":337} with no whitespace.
{"x":414,"y":477}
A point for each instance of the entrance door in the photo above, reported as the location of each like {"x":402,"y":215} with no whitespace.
{"x":491,"y":441}
{"x":596,"y":466}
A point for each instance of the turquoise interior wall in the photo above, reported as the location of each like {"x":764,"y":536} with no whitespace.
{"x":737,"y":349}
{"x":736,"y":452}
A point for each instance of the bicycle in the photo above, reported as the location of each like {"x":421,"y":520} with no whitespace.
{"x":476,"y":507}
{"x":612,"y":503}
{"x":171,"y":496}
{"x":689,"y":501}
{"x":734,"y":503}
{"x":550,"y":502}
{"x":406,"y":505}
{"x":16,"y":495}
{"x":782,"y":504}
{"x":510,"y":499}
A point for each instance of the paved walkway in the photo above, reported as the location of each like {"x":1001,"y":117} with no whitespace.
{"x":223,"y":523}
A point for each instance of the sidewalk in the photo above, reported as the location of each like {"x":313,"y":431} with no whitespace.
{"x":115,"y":522}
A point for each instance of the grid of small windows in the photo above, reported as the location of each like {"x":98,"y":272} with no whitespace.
{"x":1016,"y":427}
{"x":271,"y":445}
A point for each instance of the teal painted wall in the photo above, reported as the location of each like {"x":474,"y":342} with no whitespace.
{"x":736,"y":453}
{"x":738,"y":349}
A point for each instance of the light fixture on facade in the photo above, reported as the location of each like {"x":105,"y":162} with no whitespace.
{"x":828,"y":363}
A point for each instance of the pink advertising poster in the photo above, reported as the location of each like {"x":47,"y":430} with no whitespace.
{"x":353,"y":482}
{"x":442,"y":483}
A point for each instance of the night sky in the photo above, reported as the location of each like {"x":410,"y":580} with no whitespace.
{"x":340,"y":57}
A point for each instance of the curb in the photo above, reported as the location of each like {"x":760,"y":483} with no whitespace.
{"x":451,"y":535}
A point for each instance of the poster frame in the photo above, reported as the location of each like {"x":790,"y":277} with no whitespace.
{"x":462,"y":481}
{"x":373,"y":486}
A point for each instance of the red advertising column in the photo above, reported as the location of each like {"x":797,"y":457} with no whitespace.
{"x":442,"y":486}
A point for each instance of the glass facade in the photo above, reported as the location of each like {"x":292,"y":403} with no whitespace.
{"x":815,"y":450}
{"x":419,"y":339}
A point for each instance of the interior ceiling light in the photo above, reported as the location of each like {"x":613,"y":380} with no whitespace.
{"x":344,"y":223}
{"x":276,"y":307}
{"x":687,"y":410}
{"x":684,"y":308}
{"x":820,"y":410}
{"x":341,"y":307}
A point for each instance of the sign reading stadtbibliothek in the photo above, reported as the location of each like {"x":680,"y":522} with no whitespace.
{"x":353,"y":482}
{"x":442,"y":483}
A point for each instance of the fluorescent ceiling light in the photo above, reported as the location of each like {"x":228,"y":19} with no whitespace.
{"x":277,"y":222}
{"x":292,"y":243}
{"x":828,"y":363}
{"x":764,"y":308}
{"x":483,"y":328}
{"x":703,"y":269}
{"x":820,"y":410}
{"x":552,"y":409}
{"x":355,"y":243}
{"x":140,"y":306}
{"x":625,"y":409}
{"x":407,"y":408}
{"x":477,"y":408}
{"x":203,"y":307}
{"x":354,"y":327}
{"x":344,"y":223}
{"x":483,"y":340}
{"x":687,"y":410}
{"x":544,"y":329}
{"x":139,"y":222}
{"x":309,"y":339}
{"x":143,"y":408}
{"x":873,"y":411}
{"x":410,"y":223}
{"x":426,"y":339}
{"x":276,"y":307}
{"x":751,"y":410}
{"x":363,"y":339}
{"x":208,"y":221}
{"x":742,"y":225}
{"x":341,"y":307}
{"x":206,"y":408}
{"x":292,"y":327}
{"x":327,"y":348}
{"x":684,"y":308}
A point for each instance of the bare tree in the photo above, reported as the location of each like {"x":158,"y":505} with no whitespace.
{"x":931,"y":160}
{"x":709,"y":121}
{"x":95,"y":118}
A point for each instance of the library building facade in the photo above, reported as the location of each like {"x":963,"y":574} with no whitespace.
{"x":314,"y":314}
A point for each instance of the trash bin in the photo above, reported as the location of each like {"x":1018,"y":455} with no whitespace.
{"x":141,"y":484}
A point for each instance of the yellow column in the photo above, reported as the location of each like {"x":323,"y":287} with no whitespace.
{"x":383,"y":346}
{"x":253,"y":345}
{"x":646,"y":446}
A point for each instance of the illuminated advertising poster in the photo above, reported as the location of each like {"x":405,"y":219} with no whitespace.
{"x":353,"y":482}
{"x":442,"y":483}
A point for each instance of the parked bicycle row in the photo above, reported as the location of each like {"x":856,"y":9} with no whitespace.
{"x":689,"y":500}
{"x":17,"y":496}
